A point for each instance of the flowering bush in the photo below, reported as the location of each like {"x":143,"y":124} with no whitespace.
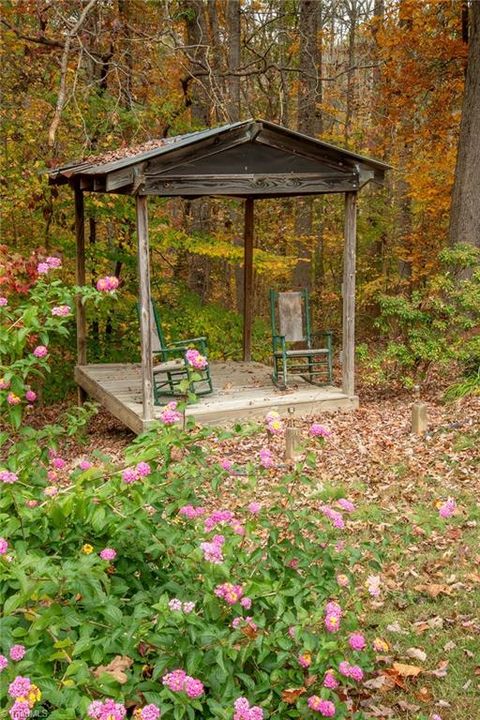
{"x":28,"y":324}
{"x":131,"y":593}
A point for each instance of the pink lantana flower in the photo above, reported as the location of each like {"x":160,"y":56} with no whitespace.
{"x":3,"y":546}
{"x":324,"y":707}
{"x":61,"y":310}
{"x":40,"y":351}
{"x":447,"y":509}
{"x":305,"y":660}
{"x":13,"y":399}
{"x":3,"y":301}
{"x":108,"y":554}
{"x":357,"y":641}
{"x":195,"y":359}
{"x":3,"y":663}
{"x":17,"y":652}
{"x":346,"y":505}
{"x":330,"y":681}
{"x":108,"y":284}
{"x":254,"y":507}
{"x":30,"y":396}
{"x":317,"y":430}
{"x":266,"y":459}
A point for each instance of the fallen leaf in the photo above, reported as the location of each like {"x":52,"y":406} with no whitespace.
{"x":417,"y":654}
{"x":381,"y":682}
{"x":408,"y":707}
{"x":396,"y":628}
{"x":406,"y":670}
{"x":433,"y":589}
{"x":450,"y":645}
{"x":115,"y":669}
{"x":291,"y":695}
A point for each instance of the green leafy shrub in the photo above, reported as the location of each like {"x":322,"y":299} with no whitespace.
{"x":435,"y":326}
{"x":263,"y":637}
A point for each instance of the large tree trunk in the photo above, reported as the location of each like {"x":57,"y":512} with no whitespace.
{"x":465,"y":211}
{"x":309,"y":93}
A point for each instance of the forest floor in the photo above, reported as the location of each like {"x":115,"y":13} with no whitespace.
{"x":428,"y":611}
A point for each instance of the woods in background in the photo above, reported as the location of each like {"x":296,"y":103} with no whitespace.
{"x":383,"y":77}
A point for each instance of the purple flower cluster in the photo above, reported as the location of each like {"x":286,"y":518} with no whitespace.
{"x":212,"y":551}
{"x":108,"y":554}
{"x":148,"y":712}
{"x":196,"y":360}
{"x":330,"y":681}
{"x":230,"y":593}
{"x":223,"y":517}
{"x":333,"y":613}
{"x":447,"y":509}
{"x":106,"y":710}
{"x":266,"y":459}
{"x":346,"y":505}
{"x":177,"y":605}
{"x":20,"y":687}
{"x":354,"y":672}
{"x":8,"y":477}
{"x":357,"y":641}
{"x":274,"y":423}
{"x":324,"y":707}
{"x":170,"y":414}
{"x":245,"y":711}
{"x":61,"y":310}
{"x":248,"y":620}
{"x":317,"y":430}
{"x":179,"y":681}
{"x":40,"y":351}
{"x":17,"y":652}
{"x":190,"y":512}
{"x":130,"y":475}
{"x":108,"y":284}
{"x":50,"y":263}
{"x":333,"y":515}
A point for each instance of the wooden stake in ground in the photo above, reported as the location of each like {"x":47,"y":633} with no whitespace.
{"x":419,"y":414}
{"x":292,"y":437}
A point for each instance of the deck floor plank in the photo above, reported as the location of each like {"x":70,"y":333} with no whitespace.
{"x":242,"y":390}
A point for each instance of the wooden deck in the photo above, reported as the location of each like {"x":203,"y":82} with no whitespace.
{"x":242,"y":390}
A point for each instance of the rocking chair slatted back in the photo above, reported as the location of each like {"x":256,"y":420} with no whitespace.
{"x":158,"y":341}
{"x":290,"y":314}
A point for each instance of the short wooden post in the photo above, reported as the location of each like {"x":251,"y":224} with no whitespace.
{"x":292,"y":437}
{"x":348,"y":292}
{"x":248,"y":234}
{"x":419,"y":414}
{"x":144,"y":299}
{"x":80,"y":280}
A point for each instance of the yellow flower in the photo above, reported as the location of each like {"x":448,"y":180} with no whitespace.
{"x":87,"y":549}
{"x":34,"y":695}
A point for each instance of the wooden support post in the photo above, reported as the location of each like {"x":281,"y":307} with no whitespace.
{"x":348,"y":292}
{"x":144,"y":300}
{"x":248,"y":234}
{"x":80,"y":280}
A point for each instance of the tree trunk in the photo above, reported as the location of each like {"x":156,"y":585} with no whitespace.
{"x":309,"y":93}
{"x":233,"y":30}
{"x":465,"y":210}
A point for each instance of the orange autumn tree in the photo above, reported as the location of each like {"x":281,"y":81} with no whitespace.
{"x":422,"y":57}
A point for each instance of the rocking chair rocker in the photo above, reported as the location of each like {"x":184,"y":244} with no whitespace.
{"x":290,"y":316}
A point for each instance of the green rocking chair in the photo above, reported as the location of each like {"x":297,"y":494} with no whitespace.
{"x":171,"y":367}
{"x":290,"y":316}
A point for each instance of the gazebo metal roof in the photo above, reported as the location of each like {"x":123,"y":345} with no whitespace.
{"x":252,"y":158}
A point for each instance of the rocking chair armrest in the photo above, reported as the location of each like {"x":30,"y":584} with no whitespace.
{"x":326,"y":334}
{"x":176,"y":351}
{"x":202,"y":341}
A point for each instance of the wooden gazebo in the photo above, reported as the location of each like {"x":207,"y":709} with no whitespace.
{"x":253,"y":159}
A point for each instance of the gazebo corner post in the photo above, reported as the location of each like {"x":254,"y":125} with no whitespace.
{"x":248,"y":239}
{"x":80,"y":276}
{"x":348,"y":293}
{"x":144,"y":303}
